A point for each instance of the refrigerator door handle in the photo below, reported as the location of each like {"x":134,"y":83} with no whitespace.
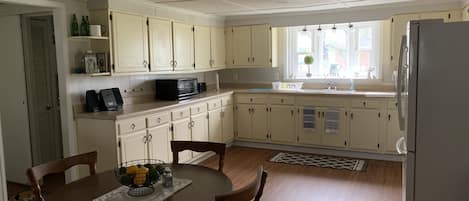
{"x":400,"y":146}
{"x":399,"y":86}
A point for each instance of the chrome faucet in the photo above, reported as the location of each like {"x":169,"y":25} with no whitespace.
{"x":331,"y":85}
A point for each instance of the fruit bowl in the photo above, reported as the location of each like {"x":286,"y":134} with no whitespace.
{"x":140,"y":175}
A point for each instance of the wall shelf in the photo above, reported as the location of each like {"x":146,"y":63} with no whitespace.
{"x":88,"y":37}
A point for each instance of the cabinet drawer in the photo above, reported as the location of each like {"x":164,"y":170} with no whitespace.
{"x":227,"y":100}
{"x":131,"y":125}
{"x":259,"y":99}
{"x":180,"y":114}
{"x":282,"y":100}
{"x":157,"y":119}
{"x":366,"y":104}
{"x":392,"y":104}
{"x":214,"y":104}
{"x":197,"y":109}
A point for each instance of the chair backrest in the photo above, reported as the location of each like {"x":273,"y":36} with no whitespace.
{"x":36,"y":173}
{"x":218,"y":148}
{"x":252,"y":191}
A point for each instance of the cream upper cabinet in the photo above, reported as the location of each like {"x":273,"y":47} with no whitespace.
{"x":217,"y":41}
{"x":261,"y":39}
{"x":215,"y":125}
{"x":282,"y":123}
{"x":309,"y":125}
{"x":259,"y":122}
{"x":199,"y":127}
{"x":364,"y":129}
{"x":159,"y":146}
{"x":243,"y":117}
{"x":183,"y":46}
{"x":130,"y":42}
{"x":465,"y":13}
{"x":393,"y":132}
{"x":241,"y":45}
{"x":447,"y":16}
{"x":182,"y":132}
{"x":334,"y":132}
{"x":161,"y":44}
{"x":229,"y":46}
{"x":133,"y":146}
{"x":227,"y":123}
{"x":202,"y":47}
{"x":399,"y":29}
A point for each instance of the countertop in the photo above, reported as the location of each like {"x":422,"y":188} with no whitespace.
{"x":134,"y":110}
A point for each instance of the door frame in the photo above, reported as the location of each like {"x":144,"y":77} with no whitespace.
{"x":3,"y":178}
{"x":28,"y":65}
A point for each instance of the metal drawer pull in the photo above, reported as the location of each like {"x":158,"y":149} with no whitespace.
{"x":132,"y":126}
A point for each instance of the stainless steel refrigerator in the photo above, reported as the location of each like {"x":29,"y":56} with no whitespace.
{"x":433,"y":94}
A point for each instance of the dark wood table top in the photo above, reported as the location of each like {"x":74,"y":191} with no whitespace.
{"x":206,"y":183}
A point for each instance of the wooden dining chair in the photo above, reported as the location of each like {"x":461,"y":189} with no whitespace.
{"x":252,"y":191}
{"x":218,"y":148}
{"x":36,"y":173}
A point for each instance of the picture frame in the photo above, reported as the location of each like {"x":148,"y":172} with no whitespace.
{"x":91,"y":63}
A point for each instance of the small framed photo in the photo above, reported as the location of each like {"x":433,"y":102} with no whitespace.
{"x":91,"y":63}
{"x":102,"y":62}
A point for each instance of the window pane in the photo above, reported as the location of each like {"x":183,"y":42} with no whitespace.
{"x":365,"y":39}
{"x":334,"y":53}
{"x":304,"y":41}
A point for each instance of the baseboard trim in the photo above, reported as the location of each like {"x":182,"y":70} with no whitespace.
{"x":312,"y":150}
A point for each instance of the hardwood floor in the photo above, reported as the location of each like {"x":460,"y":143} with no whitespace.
{"x":381,"y":181}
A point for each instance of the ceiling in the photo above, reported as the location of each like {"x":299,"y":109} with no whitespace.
{"x":249,"y":7}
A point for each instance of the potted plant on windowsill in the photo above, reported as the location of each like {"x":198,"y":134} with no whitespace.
{"x":308,"y":61}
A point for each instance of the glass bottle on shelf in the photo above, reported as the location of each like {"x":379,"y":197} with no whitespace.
{"x":83,"y":26}
{"x":75,"y":29}
{"x":87,"y":26}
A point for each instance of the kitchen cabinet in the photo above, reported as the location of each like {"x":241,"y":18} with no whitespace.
{"x":159,"y":143}
{"x":133,"y":146}
{"x":199,"y":127}
{"x":183,"y":46}
{"x":217,"y":44}
{"x":202,"y":47}
{"x":447,"y":16}
{"x":130,"y":42}
{"x":161,"y":44}
{"x":252,"y":121}
{"x":465,"y":13}
{"x":334,"y":123}
{"x":399,"y":29}
{"x":182,"y":132}
{"x":227,"y":127}
{"x":393,"y":132}
{"x":261,"y":39}
{"x":241,"y":45}
{"x":244,"y":121}
{"x":254,"y":46}
{"x":309,"y":125}
{"x":364,"y":129}
{"x":229,"y":46}
{"x":282,"y":123}
{"x":215,"y":125}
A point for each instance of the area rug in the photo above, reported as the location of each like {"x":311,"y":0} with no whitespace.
{"x":320,"y":161}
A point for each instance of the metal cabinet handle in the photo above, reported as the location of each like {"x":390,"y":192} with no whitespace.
{"x":253,"y":59}
{"x":175,"y":63}
{"x":151,"y":137}
{"x":159,"y":120}
{"x":249,"y":59}
{"x":171,"y":63}
{"x":351,"y":115}
{"x":132,"y":126}
{"x":145,"y":63}
{"x":145,"y":139}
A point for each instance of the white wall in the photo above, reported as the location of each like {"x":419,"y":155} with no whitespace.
{"x":13,"y":105}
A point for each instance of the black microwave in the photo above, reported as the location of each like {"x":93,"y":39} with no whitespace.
{"x":176,"y":89}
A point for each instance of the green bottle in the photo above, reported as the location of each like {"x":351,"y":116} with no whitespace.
{"x":87,"y":26}
{"x":75,"y":29}
{"x":83,"y":27}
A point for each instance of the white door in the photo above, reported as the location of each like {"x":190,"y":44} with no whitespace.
{"x":161,"y":44}
{"x":244,"y":121}
{"x":259,"y":122}
{"x":202,"y":47}
{"x":182,"y":132}
{"x":133,"y":146}
{"x":393,"y":132}
{"x":159,"y":143}
{"x":282,"y":123}
{"x":309,"y":125}
{"x":334,"y":127}
{"x":130,"y":42}
{"x":261,"y":40}
{"x":215,"y":125}
{"x":229,"y":46}
{"x":227,"y":123}
{"x":217,"y":41}
{"x":364,"y":129}
{"x":183,"y":46}
{"x":242,"y":46}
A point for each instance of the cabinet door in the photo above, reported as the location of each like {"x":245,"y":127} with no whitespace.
{"x":229,"y":46}
{"x":215,"y":125}
{"x":130,"y":42}
{"x":217,"y":41}
{"x":183,"y":41}
{"x":159,"y":146}
{"x":335,"y":127}
{"x":282,"y":123}
{"x":202,"y":47}
{"x":261,"y":37}
{"x":227,"y":123}
{"x":393,"y":132}
{"x":199,"y":127}
{"x":161,"y":44}
{"x":134,"y":146}
{"x":309,"y":125}
{"x":364,"y":129}
{"x":244,"y":124}
{"x":259,"y":122}
{"x":398,"y":29}
{"x":242,"y":46}
{"x":447,"y":16}
{"x":182,"y":131}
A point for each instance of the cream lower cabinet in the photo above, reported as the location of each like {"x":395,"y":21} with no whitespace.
{"x":393,"y":132}
{"x":334,"y":127}
{"x":252,"y":121}
{"x":133,"y":146}
{"x":182,"y":131}
{"x":309,"y":125}
{"x":159,"y":146}
{"x":282,"y":123}
{"x":215,"y":125}
{"x":364,"y":129}
{"x":227,"y":127}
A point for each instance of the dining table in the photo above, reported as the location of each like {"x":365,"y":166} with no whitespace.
{"x":206,"y":184}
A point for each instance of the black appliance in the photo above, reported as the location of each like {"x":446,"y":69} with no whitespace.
{"x":176,"y":89}
{"x":106,"y":100}
{"x":202,"y":87}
